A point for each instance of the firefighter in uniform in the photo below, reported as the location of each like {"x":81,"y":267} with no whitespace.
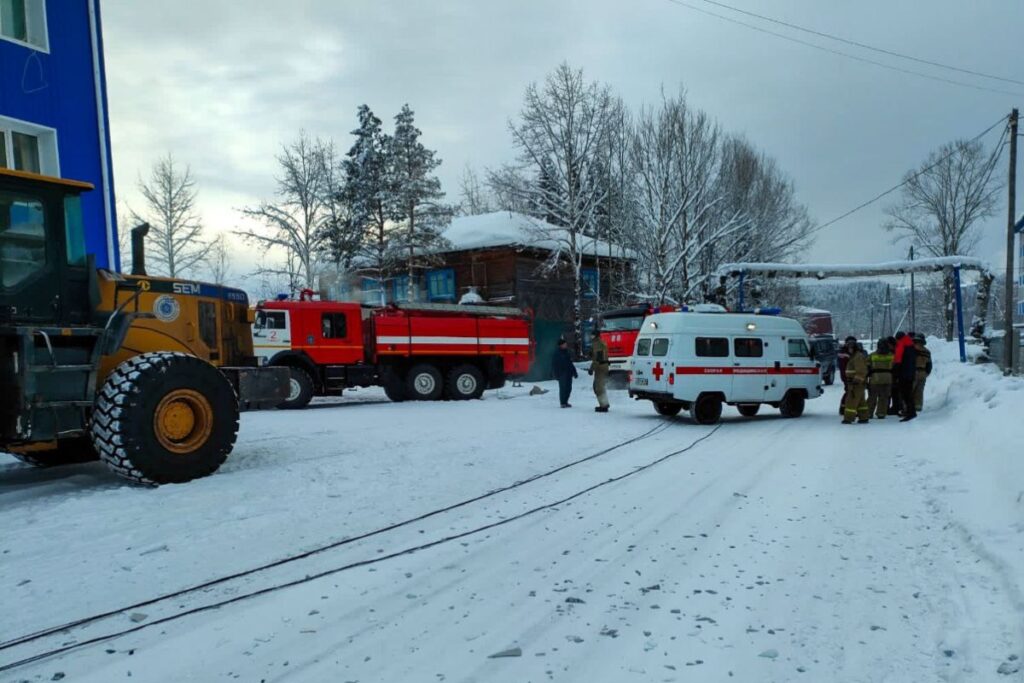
{"x":855,"y":404}
{"x":923,"y":368}
{"x":880,"y":380}
{"x":599,"y":366}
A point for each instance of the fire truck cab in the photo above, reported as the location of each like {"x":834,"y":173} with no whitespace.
{"x":619,"y":330}
{"x":700,"y":361}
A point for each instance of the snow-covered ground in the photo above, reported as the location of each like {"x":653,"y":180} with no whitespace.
{"x":771,"y":550}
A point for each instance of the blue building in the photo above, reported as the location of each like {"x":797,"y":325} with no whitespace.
{"x":53,"y":105}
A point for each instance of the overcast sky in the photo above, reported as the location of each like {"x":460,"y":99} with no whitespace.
{"x":224,"y":84}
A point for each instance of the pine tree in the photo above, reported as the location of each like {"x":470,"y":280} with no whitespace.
{"x":368,"y":192}
{"x":416,"y":196}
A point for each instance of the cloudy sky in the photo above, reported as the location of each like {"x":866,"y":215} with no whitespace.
{"x":224,"y":84}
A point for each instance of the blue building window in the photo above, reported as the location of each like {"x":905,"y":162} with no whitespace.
{"x":371,"y":287}
{"x":441,"y":284}
{"x":400,"y":289}
{"x":590,"y":281}
{"x":24,"y":21}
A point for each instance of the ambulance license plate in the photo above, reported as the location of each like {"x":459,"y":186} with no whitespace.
{"x":641,"y":381}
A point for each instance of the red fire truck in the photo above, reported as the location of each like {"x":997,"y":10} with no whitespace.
{"x":620,"y":328}
{"x":415,"y":352}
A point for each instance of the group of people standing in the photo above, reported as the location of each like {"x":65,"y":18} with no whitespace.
{"x":564,"y":371}
{"x":889,"y":381}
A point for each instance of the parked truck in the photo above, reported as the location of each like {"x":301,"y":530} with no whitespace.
{"x":619,"y":330}
{"x":419,"y":352}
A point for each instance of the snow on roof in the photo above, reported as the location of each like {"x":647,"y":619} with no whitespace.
{"x":510,"y":229}
{"x":821,"y":270}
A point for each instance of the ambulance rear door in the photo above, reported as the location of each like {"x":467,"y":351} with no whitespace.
{"x":651,"y":364}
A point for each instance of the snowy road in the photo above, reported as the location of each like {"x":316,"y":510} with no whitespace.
{"x":771,"y":550}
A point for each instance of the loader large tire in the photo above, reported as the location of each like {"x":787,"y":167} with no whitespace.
{"x":68,"y":452}
{"x":165,"y":418}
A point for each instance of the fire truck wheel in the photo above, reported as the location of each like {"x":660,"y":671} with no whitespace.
{"x":706,"y":410}
{"x":465,"y":382}
{"x":424,"y":383}
{"x":68,"y":452}
{"x":394,"y":390}
{"x":164,"y":418}
{"x":748,"y":409}
{"x":830,"y":378}
{"x":792,"y":405}
{"x":667,"y":408}
{"x":300,"y":389}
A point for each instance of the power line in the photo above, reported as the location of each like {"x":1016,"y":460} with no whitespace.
{"x":882,"y":50}
{"x":865,"y":60}
{"x":913,"y":176}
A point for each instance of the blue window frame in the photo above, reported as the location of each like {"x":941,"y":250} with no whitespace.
{"x":400,"y":288}
{"x":589,"y":278}
{"x":441,"y":284}
{"x":371,"y":291}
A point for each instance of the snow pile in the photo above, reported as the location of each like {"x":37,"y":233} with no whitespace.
{"x":976,"y":472}
{"x":510,"y":229}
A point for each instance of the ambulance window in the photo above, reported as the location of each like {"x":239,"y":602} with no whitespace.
{"x":798,"y":348}
{"x":333,"y":325}
{"x":660,"y":347}
{"x":643,"y":347}
{"x":748,"y":347}
{"x":712,"y":347}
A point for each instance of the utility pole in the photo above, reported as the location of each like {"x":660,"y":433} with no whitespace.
{"x":1011,"y":243}
{"x":913,"y":296}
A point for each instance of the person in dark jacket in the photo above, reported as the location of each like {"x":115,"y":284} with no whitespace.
{"x":906,"y":375}
{"x":564,"y":371}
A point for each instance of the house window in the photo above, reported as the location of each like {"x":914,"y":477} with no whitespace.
{"x":441,"y":284}
{"x":589,"y":279}
{"x":372,"y":291}
{"x":24,"y":21}
{"x":27,"y":147}
{"x":400,"y":289}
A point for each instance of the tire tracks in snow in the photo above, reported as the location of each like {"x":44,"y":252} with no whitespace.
{"x":64,"y":629}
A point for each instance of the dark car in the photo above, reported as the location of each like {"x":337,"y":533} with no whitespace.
{"x":826,"y":351}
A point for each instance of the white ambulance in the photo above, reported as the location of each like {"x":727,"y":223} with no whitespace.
{"x":699,"y":361}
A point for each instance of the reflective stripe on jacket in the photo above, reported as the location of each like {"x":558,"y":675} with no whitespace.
{"x":880,"y":368}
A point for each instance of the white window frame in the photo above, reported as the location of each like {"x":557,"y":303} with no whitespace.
{"x":36,"y":25}
{"x":49,"y":157}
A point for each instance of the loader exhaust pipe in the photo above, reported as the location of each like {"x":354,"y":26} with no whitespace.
{"x":139,"y":249}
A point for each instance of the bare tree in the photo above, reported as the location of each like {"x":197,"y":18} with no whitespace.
{"x":293,"y":220}
{"x":175,"y":243}
{"x":563,"y":126}
{"x":218,"y":260}
{"x":942,"y":203}
{"x":474,"y":195}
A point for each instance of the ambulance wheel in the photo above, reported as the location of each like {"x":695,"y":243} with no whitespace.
{"x":792,"y":405}
{"x":164,"y":418}
{"x":465,"y":382}
{"x":424,"y":383}
{"x":300,"y":389}
{"x":667,"y":408}
{"x":748,"y":409}
{"x":706,"y":410}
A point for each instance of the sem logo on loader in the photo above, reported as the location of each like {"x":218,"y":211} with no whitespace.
{"x":187,"y":288}
{"x":166,"y":308}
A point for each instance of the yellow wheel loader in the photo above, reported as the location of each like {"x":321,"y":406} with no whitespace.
{"x":147,"y":374}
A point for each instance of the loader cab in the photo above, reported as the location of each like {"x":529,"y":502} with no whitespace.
{"x":45,"y":273}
